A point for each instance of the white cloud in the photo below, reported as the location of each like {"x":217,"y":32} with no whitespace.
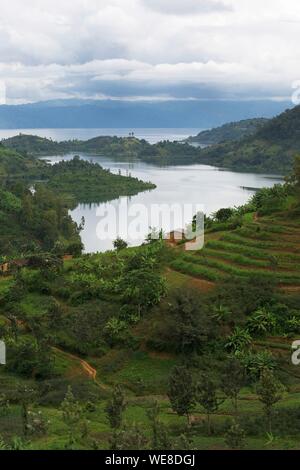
{"x":144,"y":48}
{"x":187,"y":7}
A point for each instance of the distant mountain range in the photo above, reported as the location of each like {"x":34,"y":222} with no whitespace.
{"x":139,"y":114}
{"x":233,"y":131}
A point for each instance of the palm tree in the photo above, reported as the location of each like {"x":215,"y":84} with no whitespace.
{"x":238,"y":340}
{"x":262,"y":322}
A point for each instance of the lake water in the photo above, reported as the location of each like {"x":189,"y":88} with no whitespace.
{"x":151,"y":135}
{"x":191,"y":185}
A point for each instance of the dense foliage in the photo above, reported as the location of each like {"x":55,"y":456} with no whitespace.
{"x":116,"y":147}
{"x":271,"y":149}
{"x":89,"y":182}
{"x":233,"y":131}
{"x":32,"y":222}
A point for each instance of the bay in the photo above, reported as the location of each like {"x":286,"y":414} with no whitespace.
{"x":184,"y":185}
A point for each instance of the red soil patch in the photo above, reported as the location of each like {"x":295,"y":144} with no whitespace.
{"x":202,"y":284}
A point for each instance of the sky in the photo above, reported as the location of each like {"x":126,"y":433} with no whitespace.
{"x":152,"y":50}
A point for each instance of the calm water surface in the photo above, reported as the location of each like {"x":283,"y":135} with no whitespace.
{"x":194,"y":184}
{"x":151,"y":135}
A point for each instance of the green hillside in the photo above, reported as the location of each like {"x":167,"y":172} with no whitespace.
{"x":34,"y":222}
{"x":80,"y":181}
{"x":129,"y":349}
{"x":115,"y":147}
{"x":229,"y":132}
{"x":271,"y":149}
{"x":13,"y":164}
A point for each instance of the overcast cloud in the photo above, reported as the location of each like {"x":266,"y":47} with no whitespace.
{"x":149,"y":49}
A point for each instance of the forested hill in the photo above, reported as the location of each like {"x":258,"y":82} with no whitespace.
{"x":229,"y":132}
{"x":121,"y":147}
{"x":15,"y":164}
{"x":270,"y":149}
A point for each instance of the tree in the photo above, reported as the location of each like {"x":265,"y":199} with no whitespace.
{"x":222,"y":313}
{"x":296,"y":176}
{"x":239,"y":340}
{"x":129,"y":438}
{"x":222,"y":215}
{"x":270,"y":392}
{"x":116,"y":407}
{"x":4,"y":404}
{"x":181,"y":391}
{"x":206,"y":396}
{"x":193,"y":326}
{"x":120,"y":244}
{"x":160,"y":437}
{"x":255,"y":363}
{"x":243,"y":296}
{"x":233,"y":379}
{"x":235,"y":437}
{"x":141,"y":284}
{"x":262,"y":322}
{"x":26,"y":397}
{"x":73,"y":414}
{"x":115,"y":331}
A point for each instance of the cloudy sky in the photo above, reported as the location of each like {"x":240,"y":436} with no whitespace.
{"x":149,"y":49}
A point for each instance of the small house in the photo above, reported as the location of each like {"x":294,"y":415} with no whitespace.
{"x":176,"y":236}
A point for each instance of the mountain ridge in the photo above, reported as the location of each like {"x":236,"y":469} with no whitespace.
{"x":126,"y":114}
{"x":232,"y":131}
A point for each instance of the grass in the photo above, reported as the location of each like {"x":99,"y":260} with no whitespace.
{"x":138,"y":371}
{"x":267,"y":247}
{"x":196,"y":270}
{"x":136,"y":413}
{"x":255,"y":243}
{"x":144,"y":373}
{"x":204,"y":263}
{"x":34,"y":304}
{"x":241,"y":248}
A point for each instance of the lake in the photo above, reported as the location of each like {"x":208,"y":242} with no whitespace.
{"x":151,"y":135}
{"x":190,"y":185}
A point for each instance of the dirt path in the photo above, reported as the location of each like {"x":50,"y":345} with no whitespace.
{"x":87,"y":368}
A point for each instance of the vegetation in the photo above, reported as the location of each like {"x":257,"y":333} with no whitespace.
{"x":116,"y":147}
{"x":35,"y":197}
{"x":151,"y":347}
{"x":233,"y":131}
{"x":86,"y":182}
{"x":271,"y":149}
{"x":34,"y":222}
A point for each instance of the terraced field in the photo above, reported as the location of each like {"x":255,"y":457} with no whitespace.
{"x":264,"y":247}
